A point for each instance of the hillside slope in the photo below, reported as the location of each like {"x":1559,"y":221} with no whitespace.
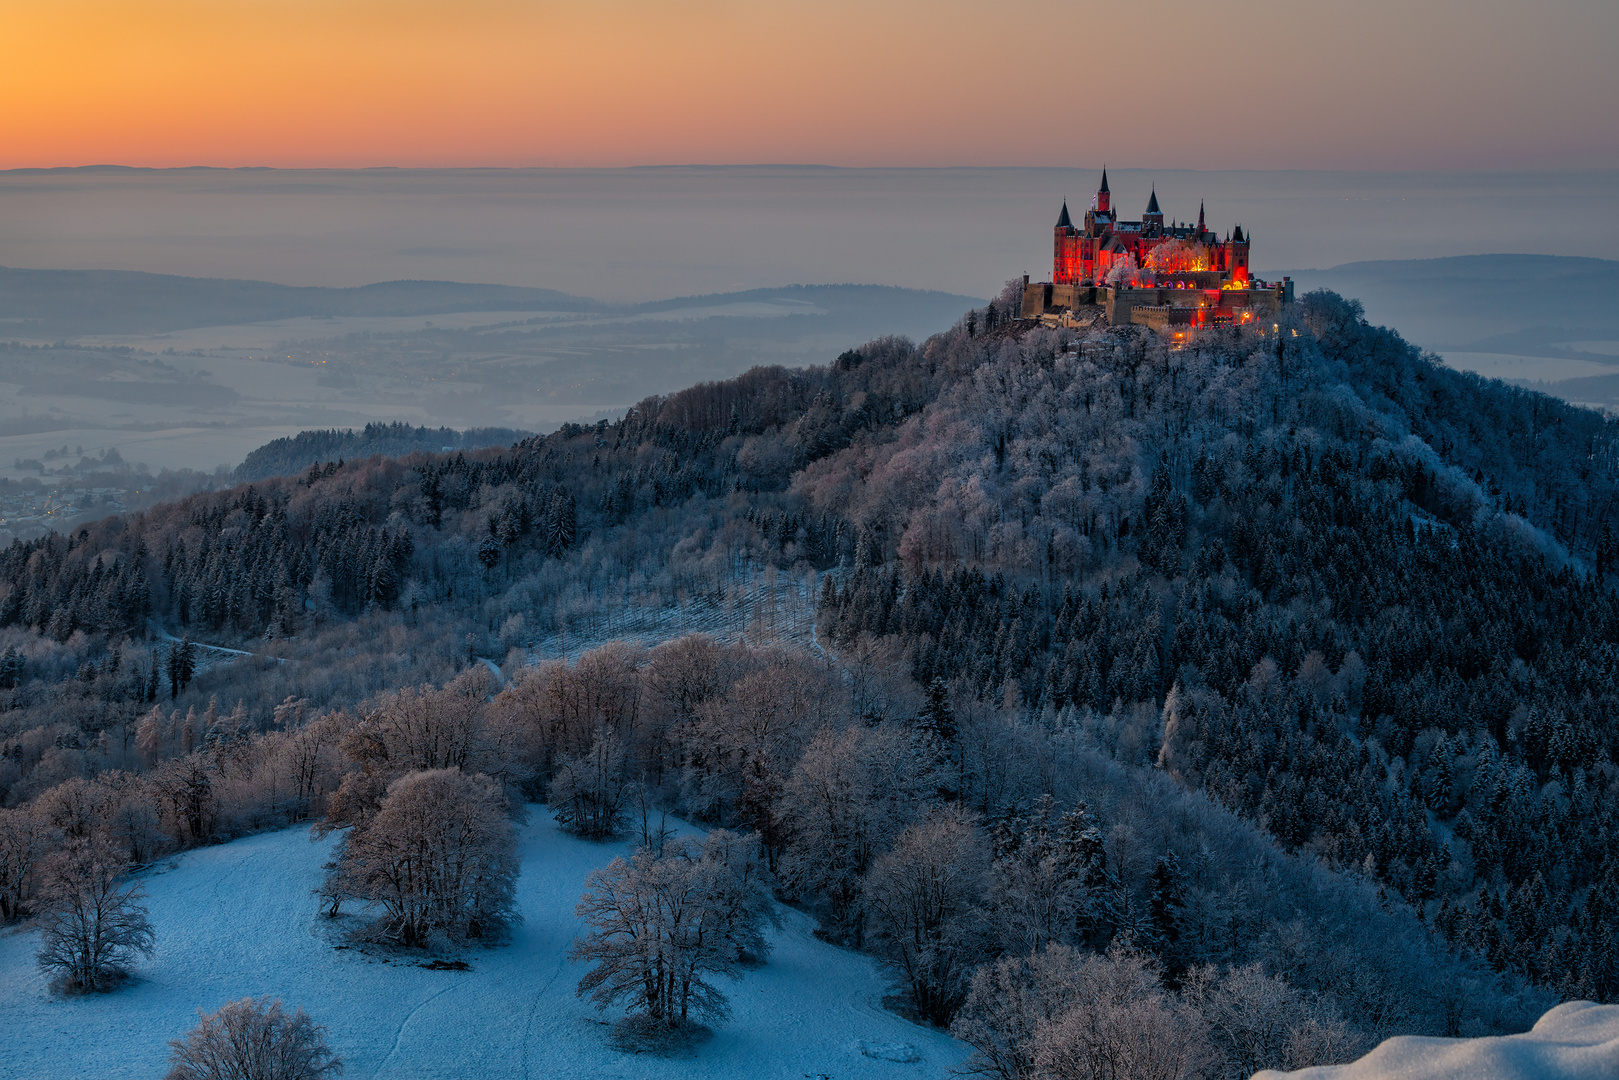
{"x":1316,"y":635}
{"x":240,"y":919}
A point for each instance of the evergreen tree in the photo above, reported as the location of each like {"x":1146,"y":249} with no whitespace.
{"x":937,"y":718}
{"x":12,"y":668}
{"x":1164,"y":906}
{"x":182,"y":665}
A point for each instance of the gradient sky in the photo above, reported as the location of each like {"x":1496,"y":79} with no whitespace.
{"x":1369,"y":84}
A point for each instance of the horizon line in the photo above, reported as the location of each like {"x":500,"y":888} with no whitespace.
{"x":818,"y":166}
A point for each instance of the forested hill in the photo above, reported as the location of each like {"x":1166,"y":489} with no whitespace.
{"x":295,"y":453}
{"x":1360,"y":599}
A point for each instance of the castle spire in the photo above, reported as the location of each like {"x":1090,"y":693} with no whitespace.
{"x":1201,"y":228}
{"x":1154,"y":217}
{"x":1063,"y":220}
{"x":1103,"y":188}
{"x":1103,"y":201}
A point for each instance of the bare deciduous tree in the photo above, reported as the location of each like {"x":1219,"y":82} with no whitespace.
{"x":92,"y":923}
{"x":661,"y":924}
{"x":1063,"y":1014}
{"x":590,"y":793}
{"x":24,"y":841}
{"x":850,"y":793}
{"x":1124,"y":1024}
{"x":253,"y":1039}
{"x":1009,"y":1002}
{"x":925,"y":897}
{"x":1257,"y":1021}
{"x":439,"y":856}
{"x":426,"y":728}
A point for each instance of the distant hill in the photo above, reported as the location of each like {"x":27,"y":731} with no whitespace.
{"x":283,"y":457}
{"x":51,"y":304}
{"x":68,"y":303}
{"x":1464,"y":300}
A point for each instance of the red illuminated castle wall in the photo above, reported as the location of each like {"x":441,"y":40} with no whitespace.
{"x":1133,"y":254}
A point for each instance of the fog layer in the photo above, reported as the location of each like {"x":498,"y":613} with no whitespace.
{"x":652,"y":233}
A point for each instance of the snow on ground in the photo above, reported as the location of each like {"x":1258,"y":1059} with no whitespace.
{"x":239,"y":919}
{"x":1575,"y":1041}
{"x":760,"y":605}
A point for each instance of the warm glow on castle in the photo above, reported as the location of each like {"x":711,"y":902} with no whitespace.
{"x":1151,"y":272}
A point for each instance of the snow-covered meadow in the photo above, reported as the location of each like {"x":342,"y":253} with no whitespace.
{"x":240,"y":919}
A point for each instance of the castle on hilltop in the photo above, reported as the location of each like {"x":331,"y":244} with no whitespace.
{"x":1151,"y":272}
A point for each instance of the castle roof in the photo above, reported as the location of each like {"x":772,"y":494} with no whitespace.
{"x":1104,"y":181}
{"x":1063,"y":220}
{"x":1152,"y":203}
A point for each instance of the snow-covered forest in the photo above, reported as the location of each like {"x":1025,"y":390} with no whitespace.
{"x":1260,"y":692}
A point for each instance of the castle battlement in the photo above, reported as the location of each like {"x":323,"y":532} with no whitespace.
{"x":1150,"y":272}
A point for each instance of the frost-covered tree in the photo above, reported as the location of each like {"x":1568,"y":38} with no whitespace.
{"x":925,"y":897}
{"x":663,"y":924}
{"x":1008,"y":1003}
{"x":25,"y":840}
{"x":426,"y":728}
{"x":1257,"y":1021}
{"x":1122,"y":1023}
{"x":439,"y":857}
{"x":92,"y":923}
{"x":1063,"y":1014}
{"x":850,"y":794}
{"x":253,"y":1039}
{"x":589,"y":794}
{"x":1046,"y":877}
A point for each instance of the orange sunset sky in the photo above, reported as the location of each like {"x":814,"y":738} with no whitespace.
{"x":1370,"y":84}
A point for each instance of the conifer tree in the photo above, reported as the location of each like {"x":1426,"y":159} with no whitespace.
{"x":182,"y":665}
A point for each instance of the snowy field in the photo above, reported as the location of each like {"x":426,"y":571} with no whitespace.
{"x":239,"y":920}
{"x":1575,"y":1041}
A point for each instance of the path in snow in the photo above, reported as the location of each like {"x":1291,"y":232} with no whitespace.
{"x":203,"y":658}
{"x":240,"y":919}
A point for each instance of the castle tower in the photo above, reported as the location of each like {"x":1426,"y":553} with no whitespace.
{"x":1237,"y":255}
{"x":1066,"y":255}
{"x":1153,"y":216}
{"x":1201,"y":228}
{"x":1103,"y":202}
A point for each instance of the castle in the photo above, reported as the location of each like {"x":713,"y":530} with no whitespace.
{"x":1169,"y":276}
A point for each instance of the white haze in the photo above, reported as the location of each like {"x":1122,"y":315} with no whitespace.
{"x":660,"y":232}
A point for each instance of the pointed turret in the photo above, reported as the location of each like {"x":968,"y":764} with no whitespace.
{"x":1154,"y":217}
{"x":1201,"y":228}
{"x":1104,"y":199}
{"x":1063,"y":220}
